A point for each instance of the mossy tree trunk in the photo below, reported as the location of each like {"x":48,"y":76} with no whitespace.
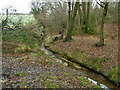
{"x":105,"y":9}
{"x":71,"y":18}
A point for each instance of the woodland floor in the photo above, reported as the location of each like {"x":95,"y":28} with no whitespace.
{"x":85,"y":44}
{"x":101,"y":59}
{"x":38,"y":70}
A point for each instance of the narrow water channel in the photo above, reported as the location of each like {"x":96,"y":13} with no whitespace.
{"x":90,"y":75}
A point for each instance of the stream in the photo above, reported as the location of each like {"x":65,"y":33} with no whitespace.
{"x":88,"y":74}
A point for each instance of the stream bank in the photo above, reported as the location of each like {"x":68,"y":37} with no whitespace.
{"x":91,"y":72}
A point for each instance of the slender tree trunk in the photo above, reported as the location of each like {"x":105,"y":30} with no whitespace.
{"x":72,"y":19}
{"x":6,"y":14}
{"x":69,"y":14}
{"x":101,"y":42}
{"x":84,"y":27}
{"x":80,"y":16}
{"x":88,"y":12}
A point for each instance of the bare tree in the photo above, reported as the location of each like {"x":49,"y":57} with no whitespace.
{"x":8,"y":10}
{"x":71,"y":18}
{"x":104,"y":5}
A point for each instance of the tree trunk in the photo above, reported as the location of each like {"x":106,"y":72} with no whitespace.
{"x":6,"y":14}
{"x":69,"y":14}
{"x":80,"y":16}
{"x":101,"y":42}
{"x":88,"y":12}
{"x":84,"y":27}
{"x":72,"y":19}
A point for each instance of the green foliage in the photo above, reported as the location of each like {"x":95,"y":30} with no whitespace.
{"x":96,"y":87}
{"x":103,"y":60}
{"x":23,"y":48}
{"x":92,"y":30}
{"x":25,"y":39}
{"x":80,"y":78}
{"x":74,"y":32}
{"x":53,"y":77}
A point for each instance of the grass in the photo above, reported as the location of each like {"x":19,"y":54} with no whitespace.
{"x":85,"y":82}
{"x":114,"y":73}
{"x":15,"y":18}
{"x":24,"y":39}
{"x":50,"y":85}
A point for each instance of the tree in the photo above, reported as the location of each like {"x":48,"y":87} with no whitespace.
{"x":71,"y":19}
{"x":80,"y":15}
{"x":104,"y":5}
{"x":84,"y":26}
{"x":88,"y":12}
{"x":8,"y":10}
{"x":86,"y":15}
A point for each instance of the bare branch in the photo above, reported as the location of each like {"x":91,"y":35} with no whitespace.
{"x":99,"y":4}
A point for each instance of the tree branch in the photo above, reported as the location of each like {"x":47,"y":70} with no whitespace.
{"x":99,"y":4}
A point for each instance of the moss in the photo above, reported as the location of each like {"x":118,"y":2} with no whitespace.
{"x":71,"y":74}
{"x":83,"y":83}
{"x":103,"y":60}
{"x":65,"y":73}
{"x":113,"y":73}
{"x":84,"y":56}
{"x":96,"y":87}
{"x":19,"y":74}
{"x":92,"y":63}
{"x":74,"y":55}
{"x":49,"y":62}
{"x":97,"y":67}
{"x":50,"y":73}
{"x":53,"y":77}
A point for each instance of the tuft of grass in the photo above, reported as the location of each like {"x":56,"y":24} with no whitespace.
{"x":80,"y":78}
{"x":65,"y":73}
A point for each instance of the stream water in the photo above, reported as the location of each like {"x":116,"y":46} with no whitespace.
{"x":90,"y":75}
